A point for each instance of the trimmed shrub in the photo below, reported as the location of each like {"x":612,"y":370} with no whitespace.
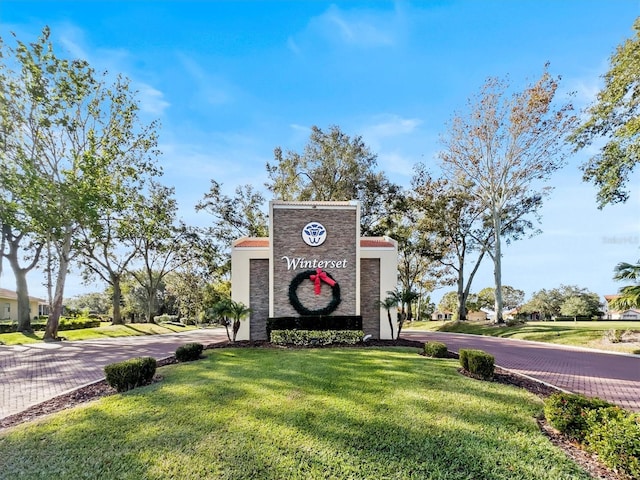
{"x":481,"y":363}
{"x":65,"y":324}
{"x":614,"y":434}
{"x":307,"y":338}
{"x":567,"y":413}
{"x":315,"y":322}
{"x":8,"y":327}
{"x":189,"y":352}
{"x":435,"y":349}
{"x":464,"y":354}
{"x":78,"y":323}
{"x":131,"y":373}
{"x":164,"y":318}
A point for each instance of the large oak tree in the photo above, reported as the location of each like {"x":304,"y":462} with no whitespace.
{"x":334,"y":166}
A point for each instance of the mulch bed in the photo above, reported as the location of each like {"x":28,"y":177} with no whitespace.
{"x":100,"y":389}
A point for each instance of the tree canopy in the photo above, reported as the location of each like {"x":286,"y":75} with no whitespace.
{"x":73,"y":148}
{"x":334,"y":166}
{"x":569,"y":300}
{"x":502,"y":150}
{"x":615,"y":119}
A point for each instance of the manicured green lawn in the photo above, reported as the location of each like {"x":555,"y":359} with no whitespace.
{"x":584,"y":334}
{"x":296,"y":414}
{"x":105,"y":330}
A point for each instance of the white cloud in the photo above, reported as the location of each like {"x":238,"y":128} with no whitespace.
{"x":151,"y":100}
{"x":396,"y":163}
{"x":358,"y":28}
{"x":212,"y":89}
{"x":389,"y":125}
{"x":112,"y":61}
{"x":293,"y":46}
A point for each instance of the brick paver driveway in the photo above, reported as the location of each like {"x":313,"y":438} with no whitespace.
{"x":33,"y":373}
{"x":594,"y":373}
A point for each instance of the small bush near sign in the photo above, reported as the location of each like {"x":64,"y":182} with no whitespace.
{"x":189,"y":352}
{"x":614,"y":435}
{"x":567,"y":413}
{"x":477,"y":362}
{"x":315,"y":322}
{"x":609,"y":431}
{"x":131,"y":373}
{"x":435,"y":349}
{"x":305,"y":338}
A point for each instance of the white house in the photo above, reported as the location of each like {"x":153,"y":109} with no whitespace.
{"x":9,"y":305}
{"x":609,"y":314}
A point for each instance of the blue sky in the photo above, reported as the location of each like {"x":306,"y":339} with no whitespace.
{"x":230,"y":81}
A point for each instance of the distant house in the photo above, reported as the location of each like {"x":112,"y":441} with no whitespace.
{"x":9,"y":305}
{"x":442,"y":316}
{"x":446,"y":316}
{"x":612,"y":314}
{"x":506,"y":314}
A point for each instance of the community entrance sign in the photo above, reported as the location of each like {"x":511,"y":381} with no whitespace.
{"x":314,"y":264}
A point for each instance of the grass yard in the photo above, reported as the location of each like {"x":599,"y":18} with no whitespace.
{"x":103,"y":331}
{"x":584,"y":334}
{"x":347,"y":413}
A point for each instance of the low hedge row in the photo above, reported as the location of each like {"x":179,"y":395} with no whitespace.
{"x":477,"y":362}
{"x":316,"y":322}
{"x":609,"y":431}
{"x":435,"y":349}
{"x":65,"y":324}
{"x":316,"y":337}
{"x":131,"y":373}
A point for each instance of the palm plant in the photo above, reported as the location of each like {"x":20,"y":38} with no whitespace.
{"x":403,"y":297}
{"x":221,"y":311}
{"x":389,"y":303}
{"x":630,"y":295}
{"x":238,"y":311}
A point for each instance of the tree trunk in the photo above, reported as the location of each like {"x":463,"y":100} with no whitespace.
{"x":117,"y":296}
{"x":462,"y":298}
{"x":236,"y":327}
{"x":151,"y":304}
{"x":497,"y":266}
{"x":390,"y":322}
{"x":22,"y":291}
{"x":51,"y":330}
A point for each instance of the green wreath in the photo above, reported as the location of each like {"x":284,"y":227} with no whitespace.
{"x":301,"y":309}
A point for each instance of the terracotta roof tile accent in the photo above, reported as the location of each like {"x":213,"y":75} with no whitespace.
{"x":376,"y":243}
{"x":252,"y":243}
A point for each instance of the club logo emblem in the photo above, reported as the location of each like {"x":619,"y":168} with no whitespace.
{"x":314,"y":234}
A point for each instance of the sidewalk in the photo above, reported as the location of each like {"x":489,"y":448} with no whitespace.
{"x":33,"y":373}
{"x":594,"y":373}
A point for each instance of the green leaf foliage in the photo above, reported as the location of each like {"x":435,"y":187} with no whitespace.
{"x":614,"y":117}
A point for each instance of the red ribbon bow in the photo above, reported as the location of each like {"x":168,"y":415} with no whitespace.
{"x":319,"y":277}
